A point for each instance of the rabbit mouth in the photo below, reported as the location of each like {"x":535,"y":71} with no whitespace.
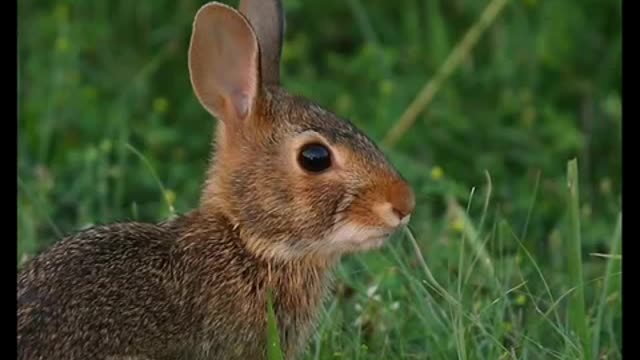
{"x":383,"y":236}
{"x":352,"y":236}
{"x":374,"y":242}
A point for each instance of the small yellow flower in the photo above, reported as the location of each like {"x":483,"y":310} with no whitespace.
{"x":437,"y":173}
{"x":521,"y":300}
{"x":160,"y":105}
{"x":170,"y":196}
{"x":457,"y":225}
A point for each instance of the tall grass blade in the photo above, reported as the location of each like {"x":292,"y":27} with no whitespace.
{"x":577,"y":314}
{"x":274,"y":350}
{"x":615,"y":249}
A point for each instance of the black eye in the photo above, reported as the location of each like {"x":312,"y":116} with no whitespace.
{"x":314,"y":158}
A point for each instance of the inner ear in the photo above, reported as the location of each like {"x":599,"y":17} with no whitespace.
{"x":224,"y":62}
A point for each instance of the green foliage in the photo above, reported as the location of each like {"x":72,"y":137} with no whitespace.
{"x":110,"y":130}
{"x":274,"y":350}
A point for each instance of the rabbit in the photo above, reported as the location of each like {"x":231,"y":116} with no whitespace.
{"x":291,"y":189}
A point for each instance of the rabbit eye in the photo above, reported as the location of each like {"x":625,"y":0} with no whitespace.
{"x":314,"y":158}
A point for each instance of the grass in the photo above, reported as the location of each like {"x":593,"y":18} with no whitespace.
{"x":274,"y":349}
{"x":502,"y":260}
{"x":579,"y":321}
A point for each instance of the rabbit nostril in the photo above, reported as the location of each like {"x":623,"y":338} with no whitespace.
{"x":401,"y":214}
{"x":402,"y":199}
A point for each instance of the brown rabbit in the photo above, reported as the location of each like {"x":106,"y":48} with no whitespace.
{"x":290,"y":190}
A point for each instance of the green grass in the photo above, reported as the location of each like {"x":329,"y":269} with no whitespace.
{"x":578,"y":318}
{"x":274,"y":349}
{"x":503,"y":259}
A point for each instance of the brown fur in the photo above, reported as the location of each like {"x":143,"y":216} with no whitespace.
{"x":183,"y":289}
{"x":194,"y":287}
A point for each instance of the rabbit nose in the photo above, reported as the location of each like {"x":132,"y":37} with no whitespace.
{"x":402,"y":200}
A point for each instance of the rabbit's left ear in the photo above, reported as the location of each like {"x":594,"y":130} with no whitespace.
{"x":267,"y":20}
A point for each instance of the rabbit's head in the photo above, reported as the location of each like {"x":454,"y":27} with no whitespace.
{"x":296,"y":179}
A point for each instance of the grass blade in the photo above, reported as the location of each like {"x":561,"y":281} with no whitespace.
{"x":455,"y":58}
{"x":470,"y":234}
{"x":615,"y":248}
{"x":577,"y":313}
{"x":167,"y":199}
{"x":274,"y":350}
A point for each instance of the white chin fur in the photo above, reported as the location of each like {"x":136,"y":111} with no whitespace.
{"x":349,"y":237}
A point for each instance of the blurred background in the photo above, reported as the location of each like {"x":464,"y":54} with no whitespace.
{"x":109,"y":130}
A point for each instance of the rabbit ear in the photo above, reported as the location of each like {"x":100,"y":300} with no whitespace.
{"x":267,"y":20}
{"x":223,"y":62}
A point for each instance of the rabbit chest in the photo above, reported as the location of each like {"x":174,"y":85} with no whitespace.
{"x":228,"y":292}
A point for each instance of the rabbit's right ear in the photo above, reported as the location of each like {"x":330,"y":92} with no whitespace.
{"x":267,"y":20}
{"x":224,"y":62}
